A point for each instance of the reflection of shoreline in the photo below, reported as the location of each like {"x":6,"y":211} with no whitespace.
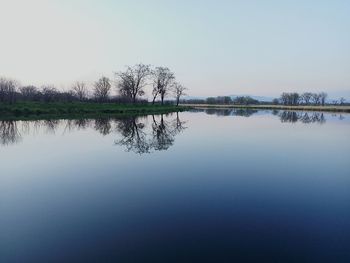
{"x":285,"y":116}
{"x":136,"y":133}
{"x":228,"y":112}
{"x":143,"y":134}
{"x":326,"y":108}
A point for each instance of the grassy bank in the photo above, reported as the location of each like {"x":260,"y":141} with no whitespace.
{"x":25,"y":110}
{"x":327,"y":108}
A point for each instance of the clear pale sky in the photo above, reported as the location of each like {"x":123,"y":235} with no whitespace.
{"x":215,"y":47}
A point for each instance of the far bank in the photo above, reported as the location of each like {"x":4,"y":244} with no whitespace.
{"x":326,"y":108}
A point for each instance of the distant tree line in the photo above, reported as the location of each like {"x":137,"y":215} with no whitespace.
{"x":306,"y":98}
{"x":287,"y":98}
{"x":130,"y":86}
{"x":224,"y":100}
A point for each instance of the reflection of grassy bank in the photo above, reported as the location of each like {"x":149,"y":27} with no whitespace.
{"x":36,"y":110}
{"x":328,"y":108}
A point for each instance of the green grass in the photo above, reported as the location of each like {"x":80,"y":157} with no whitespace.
{"x":25,"y":110}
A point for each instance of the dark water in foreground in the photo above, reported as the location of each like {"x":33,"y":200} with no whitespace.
{"x":215,"y":186}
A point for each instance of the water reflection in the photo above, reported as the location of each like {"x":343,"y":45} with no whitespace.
{"x":9,"y":133}
{"x":284,"y":115}
{"x":144,"y":134}
{"x":245,"y":112}
{"x":103,"y":126}
{"x":161,"y":136}
{"x":227,"y":189}
{"x":137,"y":133}
{"x":51,"y":125}
{"x":133,"y":135}
{"x":304,"y":117}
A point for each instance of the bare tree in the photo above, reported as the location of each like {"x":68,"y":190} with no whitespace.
{"x":306,"y":97}
{"x":80,"y":90}
{"x":178,"y":91}
{"x":29,"y":92}
{"x":316,"y":98}
{"x":162,"y":80}
{"x":133,"y":80}
{"x":49,"y":93}
{"x":323,"y":97}
{"x":292,"y":98}
{"x":295,"y":98}
{"x":342,"y":100}
{"x":8,"y":89}
{"x":284,"y":98}
{"x":102,"y":89}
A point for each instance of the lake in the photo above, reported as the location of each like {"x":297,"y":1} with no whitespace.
{"x":202,"y":186}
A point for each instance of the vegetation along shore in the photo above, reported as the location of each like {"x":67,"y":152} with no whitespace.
{"x":86,"y":109}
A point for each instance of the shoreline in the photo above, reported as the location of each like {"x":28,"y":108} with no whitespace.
{"x":326,"y":108}
{"x":38,"y":110}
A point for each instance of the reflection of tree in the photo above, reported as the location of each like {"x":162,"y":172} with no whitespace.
{"x":304,"y":117}
{"x":51,"y":125}
{"x":137,"y":138}
{"x":81,"y":123}
{"x":134,"y":138}
{"x":244,"y":112}
{"x":25,"y":127}
{"x":219,"y":112}
{"x":163,"y":136}
{"x":211,"y":111}
{"x":138,"y":135}
{"x":178,"y":125}
{"x":289,"y":116}
{"x":9,"y":133}
{"x":275,"y":112}
{"x":103,"y":126}
{"x":285,"y":116}
{"x":164,"y":132}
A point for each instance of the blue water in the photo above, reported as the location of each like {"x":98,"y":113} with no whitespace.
{"x":202,"y":186}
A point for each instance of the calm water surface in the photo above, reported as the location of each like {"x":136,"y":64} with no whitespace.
{"x":205,"y":186}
